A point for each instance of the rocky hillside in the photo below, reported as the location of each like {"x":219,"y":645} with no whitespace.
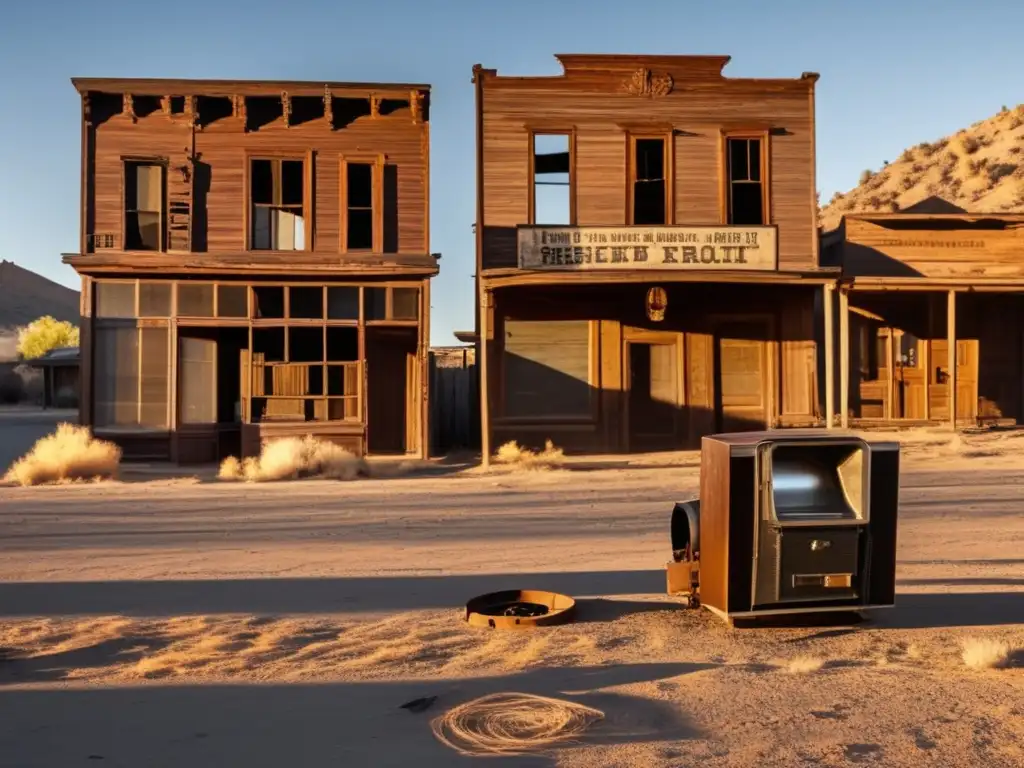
{"x":24,"y":296}
{"x":978,"y":169}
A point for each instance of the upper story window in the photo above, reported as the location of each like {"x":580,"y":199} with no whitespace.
{"x":360,"y":194}
{"x":143,"y":206}
{"x":746,"y":188}
{"x":278,"y":206}
{"x":649,"y":201}
{"x":551,"y":200}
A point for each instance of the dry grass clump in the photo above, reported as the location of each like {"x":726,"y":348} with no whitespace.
{"x":985,"y":653}
{"x":292,"y":458}
{"x":512,"y":724}
{"x":803,"y":665}
{"x":514,"y":455}
{"x":70,"y":453}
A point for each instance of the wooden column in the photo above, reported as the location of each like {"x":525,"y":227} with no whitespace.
{"x":951,"y":341}
{"x":844,"y":359}
{"x":484,"y":388}
{"x":830,"y":355}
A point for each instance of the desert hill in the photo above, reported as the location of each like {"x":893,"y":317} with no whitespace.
{"x":978,"y":169}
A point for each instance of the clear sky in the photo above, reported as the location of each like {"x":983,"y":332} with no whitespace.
{"x":893,"y":74}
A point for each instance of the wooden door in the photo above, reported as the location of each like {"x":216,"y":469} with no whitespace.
{"x":741,"y":380}
{"x":653,"y":394}
{"x":909,"y":376}
{"x":966,"y":379}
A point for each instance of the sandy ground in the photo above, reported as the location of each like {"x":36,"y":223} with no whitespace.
{"x":182,"y":622}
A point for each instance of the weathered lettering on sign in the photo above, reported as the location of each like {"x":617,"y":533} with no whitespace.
{"x":671,"y":248}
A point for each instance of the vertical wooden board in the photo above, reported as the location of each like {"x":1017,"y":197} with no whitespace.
{"x":714,"y":523}
{"x":611,"y":383}
{"x":698,"y":178}
{"x":798,"y":363}
{"x":600,"y":177}
{"x":698,"y":376}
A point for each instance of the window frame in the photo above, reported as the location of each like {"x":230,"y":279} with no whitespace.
{"x":725,"y":192}
{"x":667,"y":138}
{"x":152,"y":160}
{"x":138,"y":325}
{"x":376,"y":161}
{"x":308,"y":206}
{"x":532,"y":134}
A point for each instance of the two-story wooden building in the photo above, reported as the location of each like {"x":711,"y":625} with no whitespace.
{"x":647,"y":253}
{"x":929,"y":317}
{"x":255,"y":262}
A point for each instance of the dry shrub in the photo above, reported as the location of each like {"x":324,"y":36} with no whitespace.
{"x":803,"y":665}
{"x":513,"y":455}
{"x":971,"y":144}
{"x":985,"y":653}
{"x":70,"y":453}
{"x":292,"y":458}
{"x":512,"y":723}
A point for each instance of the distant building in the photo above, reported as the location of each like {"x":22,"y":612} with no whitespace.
{"x":60,"y":377}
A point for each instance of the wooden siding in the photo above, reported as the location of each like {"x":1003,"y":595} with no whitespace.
{"x":697,"y":111}
{"x":697,"y":325}
{"x":222,"y":149}
{"x":890,"y":248}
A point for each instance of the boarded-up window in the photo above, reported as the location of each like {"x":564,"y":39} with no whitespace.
{"x":546,"y":368}
{"x":198,"y":365}
{"x":143,"y":206}
{"x":117,"y":376}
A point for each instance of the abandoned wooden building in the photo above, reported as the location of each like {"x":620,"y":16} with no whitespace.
{"x":647,"y":253}
{"x":255,"y":263}
{"x":929,"y":320}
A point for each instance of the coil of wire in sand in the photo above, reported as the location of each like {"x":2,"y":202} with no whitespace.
{"x":512,"y":723}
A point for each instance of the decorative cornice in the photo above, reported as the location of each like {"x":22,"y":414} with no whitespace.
{"x":128,"y":106}
{"x":86,"y":108}
{"x":416,"y":106}
{"x":286,"y":108}
{"x":238,"y":107}
{"x":192,"y":111}
{"x":165,"y":105}
{"x":644,"y":82}
{"x":374,"y":106}
{"x":328,"y":105}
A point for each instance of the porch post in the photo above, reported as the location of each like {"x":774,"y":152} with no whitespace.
{"x":844,"y":358}
{"x":830,"y":353}
{"x":951,"y":341}
{"x":484,"y":388}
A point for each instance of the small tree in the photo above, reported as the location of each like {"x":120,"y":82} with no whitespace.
{"x":40,"y":336}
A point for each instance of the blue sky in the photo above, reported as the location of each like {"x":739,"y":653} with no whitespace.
{"x":892,"y":74}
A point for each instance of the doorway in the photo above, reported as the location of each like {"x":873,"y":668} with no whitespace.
{"x":741,"y":376}
{"x":392,"y":390}
{"x":653,"y":392}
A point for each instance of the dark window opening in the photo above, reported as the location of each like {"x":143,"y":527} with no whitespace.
{"x":552,"y":180}
{"x":391,"y":106}
{"x":746,"y":188}
{"x":144,"y":106}
{"x":232,"y":301}
{"x":213,"y":108}
{"x":405,"y":303}
{"x":268,"y":301}
{"x":649,"y":201}
{"x":306,"y":303}
{"x":177,"y":105}
{"x":359,"y":206}
{"x":908,"y":350}
{"x":154,"y":299}
{"x":143,"y":206}
{"x":342,"y":345}
{"x":305,"y":345}
{"x":343,"y":303}
{"x":375,"y":305}
{"x":277,"y":195}
{"x":341,"y":381}
{"x":268,"y":342}
{"x":195,"y":299}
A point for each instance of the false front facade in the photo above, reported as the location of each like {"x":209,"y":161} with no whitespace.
{"x":255,"y":263}
{"x":647,"y":253}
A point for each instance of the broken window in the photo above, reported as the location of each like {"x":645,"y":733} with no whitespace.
{"x":359,"y":206}
{"x":552,"y":181}
{"x":746,"y":187}
{"x":277,"y":192}
{"x":650,"y":202}
{"x":143,"y":206}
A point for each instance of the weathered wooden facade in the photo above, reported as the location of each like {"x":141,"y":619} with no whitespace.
{"x":255,"y":262}
{"x":647,"y":253}
{"x":929,"y":317}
